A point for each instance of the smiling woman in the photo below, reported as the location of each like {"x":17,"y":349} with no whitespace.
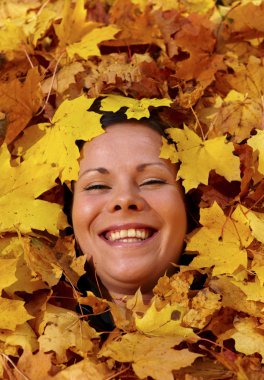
{"x":128,"y":212}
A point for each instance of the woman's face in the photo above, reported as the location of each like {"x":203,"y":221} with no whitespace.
{"x":128,"y":211}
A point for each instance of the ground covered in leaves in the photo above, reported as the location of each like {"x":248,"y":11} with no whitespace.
{"x":201,"y":65}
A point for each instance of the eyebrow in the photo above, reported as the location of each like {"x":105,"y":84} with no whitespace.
{"x":139,"y":168}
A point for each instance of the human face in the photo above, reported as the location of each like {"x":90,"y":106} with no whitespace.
{"x":128,"y":210}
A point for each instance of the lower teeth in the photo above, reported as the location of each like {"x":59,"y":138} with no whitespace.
{"x":129,"y":240}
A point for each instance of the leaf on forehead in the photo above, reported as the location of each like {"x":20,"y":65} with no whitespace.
{"x":257,"y":143}
{"x":145,"y":353}
{"x":221,"y":242}
{"x":72,"y":121}
{"x":88,"y":46}
{"x":166,"y":322}
{"x":168,"y":151}
{"x":248,"y":337}
{"x":137,"y":109}
{"x":13,"y":313}
{"x":20,"y":186}
{"x":199,"y":157}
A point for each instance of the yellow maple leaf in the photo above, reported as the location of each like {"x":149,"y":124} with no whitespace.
{"x":257,"y":143}
{"x":222,"y":240}
{"x":168,"y":151}
{"x":41,"y":24}
{"x":84,"y":370}
{"x":88,"y":46}
{"x":23,"y":336}
{"x":73,"y":25}
{"x":20,"y":186}
{"x":248,"y":339}
{"x":199,"y":157}
{"x":8,"y":272}
{"x":13,"y":313}
{"x":137,"y":109}
{"x":145,"y":354}
{"x":62,"y":329}
{"x":56,"y":147}
{"x":12,"y":37}
{"x":253,"y":290}
{"x":160,"y":323}
{"x":256,"y":222}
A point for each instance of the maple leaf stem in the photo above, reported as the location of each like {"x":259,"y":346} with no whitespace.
{"x":198,"y":123}
{"x":7,"y":358}
{"x":51,"y":85}
{"x":42,"y":7}
{"x":28,"y":57}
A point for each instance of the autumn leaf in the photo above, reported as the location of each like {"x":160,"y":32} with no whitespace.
{"x":72,"y":121}
{"x":236,"y":114}
{"x":20,"y":186}
{"x":13,"y":313}
{"x":145,"y":353}
{"x":221,"y":242}
{"x":199,"y":157}
{"x":61,"y":330}
{"x":85,"y":369}
{"x":12,"y":38}
{"x":34,"y":365}
{"x":257,"y":143}
{"x":23,"y":337}
{"x":88,"y":46}
{"x":168,"y":151}
{"x":19,"y":101}
{"x":73,"y":25}
{"x":137,"y":109}
{"x":163,"y":322}
{"x":248,"y":339}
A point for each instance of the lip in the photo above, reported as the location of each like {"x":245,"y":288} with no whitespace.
{"x":126,"y":226}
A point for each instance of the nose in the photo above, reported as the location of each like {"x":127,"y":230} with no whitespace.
{"x":126,"y":198}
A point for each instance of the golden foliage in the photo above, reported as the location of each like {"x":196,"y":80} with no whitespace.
{"x":201,"y":66}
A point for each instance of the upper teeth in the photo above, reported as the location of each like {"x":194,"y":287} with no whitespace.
{"x":131,"y":233}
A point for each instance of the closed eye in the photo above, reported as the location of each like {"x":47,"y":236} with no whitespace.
{"x":97,"y":186}
{"x":153,"y":181}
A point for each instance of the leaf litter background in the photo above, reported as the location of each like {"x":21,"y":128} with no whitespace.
{"x":202,"y":64}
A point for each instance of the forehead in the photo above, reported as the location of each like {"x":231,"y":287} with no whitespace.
{"x":123,"y":140}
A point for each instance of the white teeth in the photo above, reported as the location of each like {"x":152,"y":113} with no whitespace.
{"x":130,"y":235}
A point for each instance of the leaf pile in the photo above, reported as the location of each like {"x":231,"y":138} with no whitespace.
{"x":202,"y":65}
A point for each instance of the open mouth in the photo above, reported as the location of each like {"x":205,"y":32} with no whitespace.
{"x":131,"y":235}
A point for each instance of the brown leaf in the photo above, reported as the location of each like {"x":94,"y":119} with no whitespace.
{"x":19,"y":101}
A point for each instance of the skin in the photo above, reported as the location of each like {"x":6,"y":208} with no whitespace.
{"x":126,"y":193}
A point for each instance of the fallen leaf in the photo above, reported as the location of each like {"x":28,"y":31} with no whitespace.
{"x":248,"y":339}
{"x":219,"y":243}
{"x":145,"y":353}
{"x":163,"y":322}
{"x":137,"y":109}
{"x":19,"y":101}
{"x":72,"y":121}
{"x":13,"y":313}
{"x":257,"y":143}
{"x":20,"y":186}
{"x":199,"y":157}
